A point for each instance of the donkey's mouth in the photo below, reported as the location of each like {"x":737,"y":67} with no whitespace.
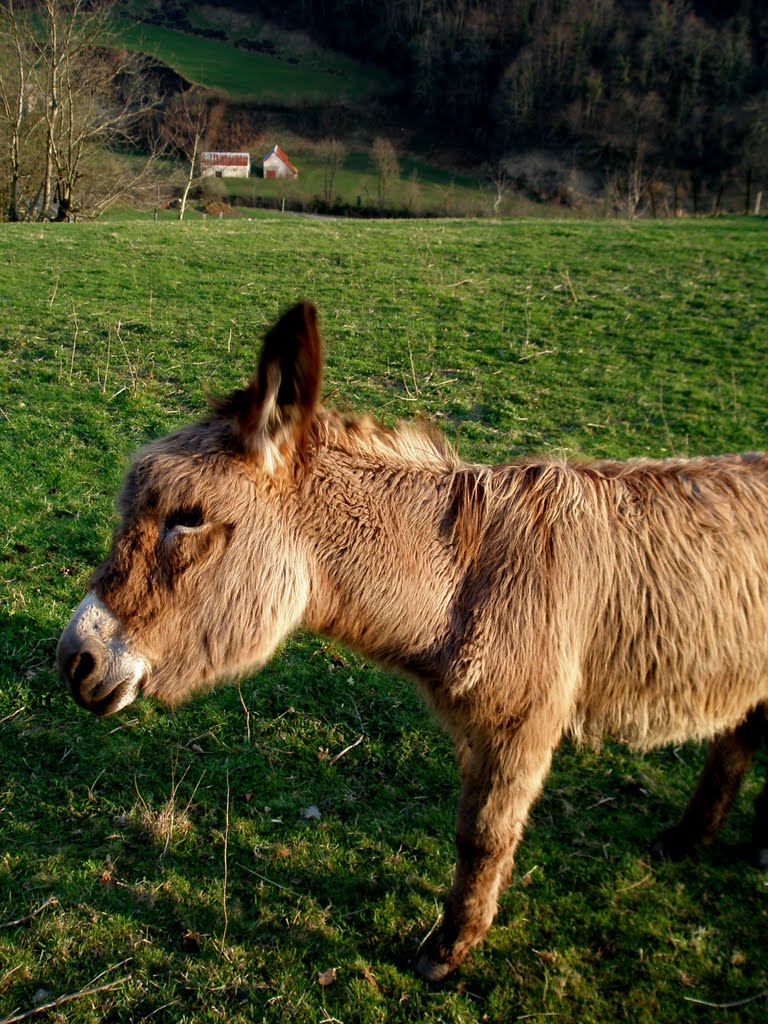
{"x":106,"y":699}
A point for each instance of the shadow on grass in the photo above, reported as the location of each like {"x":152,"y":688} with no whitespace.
{"x":179,"y":840}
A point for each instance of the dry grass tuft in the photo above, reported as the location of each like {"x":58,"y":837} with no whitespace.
{"x":171,"y":821}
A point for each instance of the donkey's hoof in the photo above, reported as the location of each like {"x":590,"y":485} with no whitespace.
{"x":759,"y":858}
{"x":431,"y":970}
{"x":671,"y":845}
{"x":438,"y":958}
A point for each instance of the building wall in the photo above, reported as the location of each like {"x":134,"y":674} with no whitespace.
{"x":224,"y":171}
{"x":275,"y":168}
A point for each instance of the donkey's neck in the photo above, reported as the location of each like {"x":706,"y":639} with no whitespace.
{"x":384,"y":563}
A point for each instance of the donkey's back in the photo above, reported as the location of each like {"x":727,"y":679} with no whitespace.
{"x":674,"y":571}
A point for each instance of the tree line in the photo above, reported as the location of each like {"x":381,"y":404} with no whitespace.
{"x":669,"y":86}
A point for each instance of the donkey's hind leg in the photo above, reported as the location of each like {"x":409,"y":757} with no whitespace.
{"x":729,"y":756}
{"x":760,"y":827}
{"x":760,"y":830}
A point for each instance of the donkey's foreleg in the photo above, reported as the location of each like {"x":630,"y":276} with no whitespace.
{"x":729,"y":756}
{"x":501,"y":778}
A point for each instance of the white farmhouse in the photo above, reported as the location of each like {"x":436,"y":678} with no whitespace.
{"x":277,"y":165}
{"x":225,"y":165}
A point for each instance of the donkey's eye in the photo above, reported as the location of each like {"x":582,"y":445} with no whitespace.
{"x":189,"y":518}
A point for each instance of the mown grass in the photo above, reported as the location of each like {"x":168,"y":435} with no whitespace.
{"x":175,"y":844}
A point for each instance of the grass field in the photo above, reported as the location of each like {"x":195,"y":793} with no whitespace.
{"x":420,"y":189}
{"x":167,"y":856}
{"x":311,"y":76}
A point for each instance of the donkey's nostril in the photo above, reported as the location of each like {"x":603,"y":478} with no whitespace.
{"x":80,"y":667}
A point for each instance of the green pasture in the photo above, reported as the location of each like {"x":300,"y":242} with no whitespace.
{"x":292,"y":77}
{"x":160,"y":866}
{"x":420,"y":189}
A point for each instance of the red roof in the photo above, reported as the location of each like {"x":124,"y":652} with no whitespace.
{"x":280,"y":153}
{"x":227,"y":159}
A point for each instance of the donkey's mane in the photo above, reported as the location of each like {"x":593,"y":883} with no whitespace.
{"x":421,"y":445}
{"x":418,"y":445}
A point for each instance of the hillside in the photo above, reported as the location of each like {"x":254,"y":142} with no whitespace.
{"x":262,"y":84}
{"x":299,"y":74}
{"x":667,"y":100}
{"x":447,"y":107}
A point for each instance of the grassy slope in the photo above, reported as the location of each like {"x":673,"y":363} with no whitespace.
{"x":603,"y":339}
{"x":243,"y":74}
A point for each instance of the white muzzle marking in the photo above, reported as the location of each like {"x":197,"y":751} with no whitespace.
{"x":95,"y":630}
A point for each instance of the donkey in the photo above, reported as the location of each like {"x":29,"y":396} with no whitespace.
{"x":529,"y":601}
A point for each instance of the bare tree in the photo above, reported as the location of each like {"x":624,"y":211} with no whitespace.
{"x":22,"y":114}
{"x":184,"y":126}
{"x":12,"y":78}
{"x":413,"y":196}
{"x":755,"y":162}
{"x":332,"y":152}
{"x":626,"y":187}
{"x":387,"y":168}
{"x":638,"y":117}
{"x":502,"y":186}
{"x":66,"y":97}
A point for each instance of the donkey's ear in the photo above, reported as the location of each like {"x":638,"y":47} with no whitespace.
{"x":275,"y":410}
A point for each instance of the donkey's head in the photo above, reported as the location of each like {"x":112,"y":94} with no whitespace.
{"x":207,"y":572}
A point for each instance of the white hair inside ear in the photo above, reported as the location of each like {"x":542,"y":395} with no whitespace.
{"x":266,"y":439}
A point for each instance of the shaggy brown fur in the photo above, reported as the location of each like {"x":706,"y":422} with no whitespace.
{"x":529,"y":601}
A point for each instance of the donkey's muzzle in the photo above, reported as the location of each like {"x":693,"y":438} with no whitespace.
{"x":99,"y":668}
{"x":81,"y":666}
